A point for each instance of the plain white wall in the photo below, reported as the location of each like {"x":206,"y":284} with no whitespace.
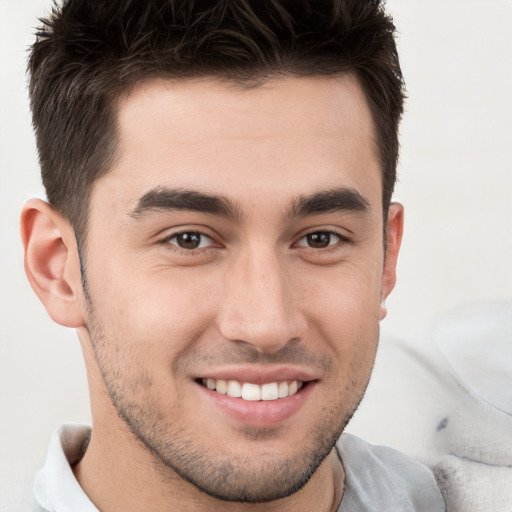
{"x":455,"y":182}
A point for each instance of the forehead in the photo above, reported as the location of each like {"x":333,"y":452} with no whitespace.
{"x":293,"y":135}
{"x":325,"y":101}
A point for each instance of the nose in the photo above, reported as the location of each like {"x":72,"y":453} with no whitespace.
{"x":259,"y":306}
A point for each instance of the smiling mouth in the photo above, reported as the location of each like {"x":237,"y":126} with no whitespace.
{"x":253,"y":392}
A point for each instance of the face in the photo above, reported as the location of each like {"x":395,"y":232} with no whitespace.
{"x":234,"y":273}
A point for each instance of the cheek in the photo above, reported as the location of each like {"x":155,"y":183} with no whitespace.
{"x":344,"y":314}
{"x":348,"y":295}
{"x":157,"y":315}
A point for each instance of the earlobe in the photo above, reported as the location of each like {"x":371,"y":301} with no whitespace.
{"x":394,"y":232}
{"x":51,"y":262}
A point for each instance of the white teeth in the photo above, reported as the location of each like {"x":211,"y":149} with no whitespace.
{"x":254,"y":392}
{"x":251,"y":392}
{"x":270,"y":391}
{"x":221,"y":387}
{"x":234,"y":389}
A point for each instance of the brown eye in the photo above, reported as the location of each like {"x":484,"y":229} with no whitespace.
{"x":319,"y":240}
{"x":191,"y":240}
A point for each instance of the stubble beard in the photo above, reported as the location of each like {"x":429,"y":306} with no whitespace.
{"x":255,"y":477}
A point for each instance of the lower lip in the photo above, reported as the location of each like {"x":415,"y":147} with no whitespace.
{"x":263,"y":413}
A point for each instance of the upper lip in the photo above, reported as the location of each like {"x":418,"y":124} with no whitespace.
{"x":259,"y":375}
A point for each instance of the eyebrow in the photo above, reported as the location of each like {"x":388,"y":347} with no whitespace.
{"x":162,"y":198}
{"x":329,"y":201}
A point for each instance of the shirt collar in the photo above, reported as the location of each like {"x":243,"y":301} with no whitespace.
{"x":56,"y":488}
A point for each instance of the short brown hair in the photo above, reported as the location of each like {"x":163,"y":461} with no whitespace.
{"x":89,"y":52}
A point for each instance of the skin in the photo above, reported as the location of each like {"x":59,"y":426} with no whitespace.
{"x":256,"y":298}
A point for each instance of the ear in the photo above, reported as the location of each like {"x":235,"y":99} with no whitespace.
{"x":395,"y":228}
{"x":52,"y":264}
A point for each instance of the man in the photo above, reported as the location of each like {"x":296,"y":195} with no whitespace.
{"x":220,"y":232}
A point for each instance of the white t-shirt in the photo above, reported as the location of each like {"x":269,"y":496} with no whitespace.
{"x":377,"y":478}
